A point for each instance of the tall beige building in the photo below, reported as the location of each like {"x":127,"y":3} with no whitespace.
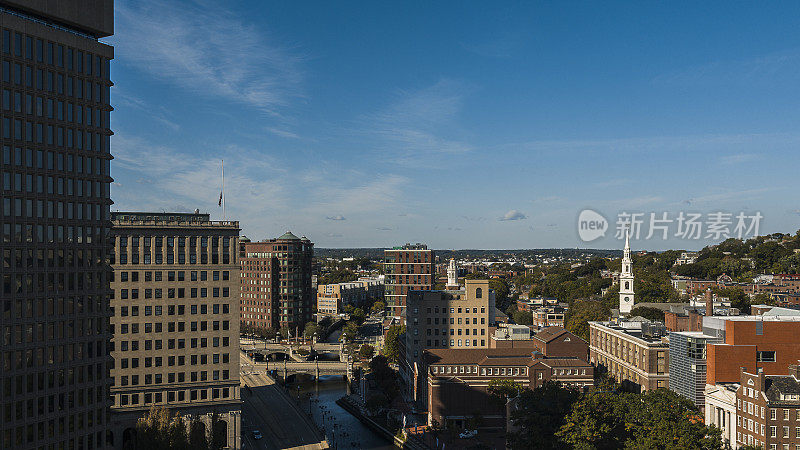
{"x":175,"y":320}
{"x":444,"y":319}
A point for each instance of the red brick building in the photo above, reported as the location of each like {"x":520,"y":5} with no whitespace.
{"x":276,"y":283}
{"x":768,"y":410}
{"x":556,"y":341}
{"x":458,"y":380}
{"x":753,"y":343}
{"x":407,"y":268}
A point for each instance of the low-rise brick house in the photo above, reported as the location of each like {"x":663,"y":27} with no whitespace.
{"x":458,"y":380}
{"x":768,"y":410}
{"x":549,"y":316}
{"x":556,"y":341}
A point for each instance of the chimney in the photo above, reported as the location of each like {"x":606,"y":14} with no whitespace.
{"x":794,"y":371}
{"x":709,"y":303}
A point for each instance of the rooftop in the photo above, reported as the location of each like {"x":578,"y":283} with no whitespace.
{"x":168,"y":219}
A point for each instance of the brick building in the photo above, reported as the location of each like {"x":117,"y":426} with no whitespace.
{"x":549,"y":316}
{"x":444,"y":319}
{"x":556,"y":341}
{"x":331,"y":298}
{"x":768,"y":410}
{"x":407,"y":268}
{"x":636,"y":354}
{"x":175,"y":320}
{"x":753,"y":342}
{"x":458,"y":380}
{"x":276,"y":283}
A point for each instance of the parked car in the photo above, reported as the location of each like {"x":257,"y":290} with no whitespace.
{"x":257,"y":435}
{"x":466,"y":434}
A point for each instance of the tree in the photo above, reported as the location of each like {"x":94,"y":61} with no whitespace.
{"x":653,"y":314}
{"x":311,"y":329}
{"x":736,"y":295}
{"x":762,"y":299}
{"x":523,"y":317}
{"x":378,"y":306}
{"x":501,"y":291}
{"x":597,"y":421}
{"x":664,"y":419}
{"x":358,"y":316}
{"x":539,"y":414}
{"x":366,"y":351}
{"x":160,"y":430}
{"x":658,"y":419}
{"x":503,"y":389}
{"x":581,"y":312}
{"x":391,"y":345}
{"x":349,"y":332}
{"x":385,"y":376}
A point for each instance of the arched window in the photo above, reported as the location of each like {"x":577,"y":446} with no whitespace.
{"x":478,"y":293}
{"x":627,"y":285}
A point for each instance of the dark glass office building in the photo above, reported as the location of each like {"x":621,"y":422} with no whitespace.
{"x":54,"y":223}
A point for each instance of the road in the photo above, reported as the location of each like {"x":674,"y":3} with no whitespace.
{"x":268,"y":409}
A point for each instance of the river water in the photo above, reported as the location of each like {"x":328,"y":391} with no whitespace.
{"x":342,"y":429}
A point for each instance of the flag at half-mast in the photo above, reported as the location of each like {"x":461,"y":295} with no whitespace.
{"x":223,"y":183}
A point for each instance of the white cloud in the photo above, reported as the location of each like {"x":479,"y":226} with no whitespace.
{"x":420,"y":127}
{"x":265,"y":194}
{"x":513,"y":215}
{"x":739,"y":158}
{"x":205,"y":48}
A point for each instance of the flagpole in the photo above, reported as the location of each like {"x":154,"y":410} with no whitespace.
{"x":224,"y":217}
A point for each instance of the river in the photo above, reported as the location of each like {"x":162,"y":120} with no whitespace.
{"x":342,"y":429}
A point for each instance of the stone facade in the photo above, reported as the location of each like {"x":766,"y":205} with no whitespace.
{"x":175,"y":320}
{"x":444,"y":319}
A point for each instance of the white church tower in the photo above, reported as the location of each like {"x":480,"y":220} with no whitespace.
{"x":452,"y":275}
{"x":626,"y":279}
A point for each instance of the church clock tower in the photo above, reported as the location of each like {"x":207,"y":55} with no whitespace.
{"x":626,"y":279}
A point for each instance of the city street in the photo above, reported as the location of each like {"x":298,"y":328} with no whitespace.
{"x":267,"y":409}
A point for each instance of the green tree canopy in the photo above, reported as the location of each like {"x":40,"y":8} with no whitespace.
{"x":523,"y":317}
{"x":647,"y":312}
{"x":366,"y":351}
{"x":391,"y":345}
{"x":581,"y":312}
{"x":539,"y":414}
{"x":378,"y":306}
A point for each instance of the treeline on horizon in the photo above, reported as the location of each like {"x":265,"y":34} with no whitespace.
{"x":377,"y":252}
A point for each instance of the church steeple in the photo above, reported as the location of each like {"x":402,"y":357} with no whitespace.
{"x":626,"y":294}
{"x":452,"y":275}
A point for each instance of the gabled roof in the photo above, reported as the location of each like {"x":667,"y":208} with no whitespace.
{"x":562,"y":362}
{"x":549,"y":334}
{"x":781,"y":384}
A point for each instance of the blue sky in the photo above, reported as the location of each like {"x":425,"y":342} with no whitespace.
{"x":459,"y":124}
